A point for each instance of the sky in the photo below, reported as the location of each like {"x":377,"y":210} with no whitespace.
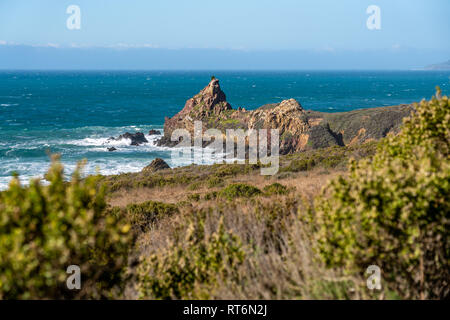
{"x":307,"y":34}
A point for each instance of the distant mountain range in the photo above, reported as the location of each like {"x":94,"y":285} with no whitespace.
{"x":439,"y":66}
{"x":50,"y":57}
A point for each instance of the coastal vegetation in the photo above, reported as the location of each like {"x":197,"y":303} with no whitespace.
{"x":46,"y":229}
{"x":224,"y":231}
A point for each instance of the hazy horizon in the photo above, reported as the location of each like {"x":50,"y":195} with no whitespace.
{"x":205,"y":35}
{"x":21,"y":57}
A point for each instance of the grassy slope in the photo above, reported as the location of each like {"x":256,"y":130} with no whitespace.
{"x":161,"y":205}
{"x":305,"y":171}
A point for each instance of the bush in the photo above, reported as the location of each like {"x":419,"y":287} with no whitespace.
{"x":239,"y":190}
{"x":211,"y":195}
{"x":228,"y":170}
{"x":189,"y":268}
{"x":214,"y":182}
{"x":301,"y":165}
{"x":144,"y":214}
{"x":194,"y":186}
{"x":275,"y":188}
{"x":44,"y":229}
{"x":194,"y":197}
{"x":394,"y":211}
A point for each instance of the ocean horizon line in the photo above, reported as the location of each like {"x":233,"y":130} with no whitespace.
{"x":223,"y":70}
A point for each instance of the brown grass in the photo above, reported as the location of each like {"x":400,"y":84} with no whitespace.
{"x":283,"y":265}
{"x":280,"y":261}
{"x":307,"y":183}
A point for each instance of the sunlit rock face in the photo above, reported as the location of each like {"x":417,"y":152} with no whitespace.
{"x":299,"y":129}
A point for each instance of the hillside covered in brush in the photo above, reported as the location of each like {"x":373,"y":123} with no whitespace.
{"x":224,"y":231}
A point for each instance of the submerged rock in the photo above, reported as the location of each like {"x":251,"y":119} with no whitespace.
{"x":156,"y":165}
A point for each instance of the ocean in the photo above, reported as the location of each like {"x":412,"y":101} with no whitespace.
{"x":73,"y":113}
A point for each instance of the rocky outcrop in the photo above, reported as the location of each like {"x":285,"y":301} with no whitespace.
{"x":156,"y":165}
{"x":209,"y":105}
{"x":153,"y":132}
{"x":137,"y":138}
{"x":299,"y":129}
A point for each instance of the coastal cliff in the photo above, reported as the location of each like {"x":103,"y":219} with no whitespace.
{"x":299,"y":129}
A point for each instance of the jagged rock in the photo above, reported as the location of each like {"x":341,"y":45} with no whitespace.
{"x":156,"y":165}
{"x":299,"y":129}
{"x":288,"y":117}
{"x":111,"y":149}
{"x":209,"y":103}
{"x":137,"y":138}
{"x":154,"y":132}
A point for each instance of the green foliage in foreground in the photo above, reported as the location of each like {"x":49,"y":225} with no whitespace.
{"x":275,"y":188}
{"x":394,"y":211}
{"x":44,"y":229}
{"x":142,"y":215}
{"x":236,"y":190}
{"x":190,"y":267}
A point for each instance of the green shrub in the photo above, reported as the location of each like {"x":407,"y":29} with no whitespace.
{"x":194,"y":186}
{"x":144,"y":214}
{"x":275,"y":188}
{"x":191,"y":266}
{"x":394,"y":211}
{"x":239,"y":190}
{"x":44,"y":229}
{"x":211,"y":195}
{"x":228,"y":170}
{"x":233,"y":169}
{"x":194,"y":197}
{"x":214,"y":182}
{"x":428,"y":128}
{"x":301,"y":165}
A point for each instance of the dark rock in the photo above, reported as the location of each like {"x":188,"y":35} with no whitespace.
{"x":156,"y":165}
{"x":137,"y":138}
{"x":166,"y":142}
{"x":110,"y":149}
{"x":154,"y":132}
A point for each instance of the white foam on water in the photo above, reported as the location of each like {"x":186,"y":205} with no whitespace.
{"x":96,"y":141}
{"x":105,"y":165}
{"x":87,"y":142}
{"x":8,"y":104}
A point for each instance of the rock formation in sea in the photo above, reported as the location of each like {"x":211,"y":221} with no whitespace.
{"x":137,"y":138}
{"x":154,"y":132}
{"x":156,"y":165}
{"x":299,"y":129}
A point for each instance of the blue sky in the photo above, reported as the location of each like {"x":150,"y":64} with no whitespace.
{"x":409,"y":27}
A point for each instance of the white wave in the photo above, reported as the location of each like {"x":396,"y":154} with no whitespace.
{"x":175,"y":157}
{"x":8,"y":104}
{"x":87,"y":142}
{"x":108,"y":142}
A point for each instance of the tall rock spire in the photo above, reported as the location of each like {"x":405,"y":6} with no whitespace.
{"x":209,"y":102}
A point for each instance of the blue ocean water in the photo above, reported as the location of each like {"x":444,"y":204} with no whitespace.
{"x":73,"y":113}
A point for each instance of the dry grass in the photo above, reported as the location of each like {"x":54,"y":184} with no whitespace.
{"x":307,"y":183}
{"x":167,"y":194}
{"x":280,"y":262}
